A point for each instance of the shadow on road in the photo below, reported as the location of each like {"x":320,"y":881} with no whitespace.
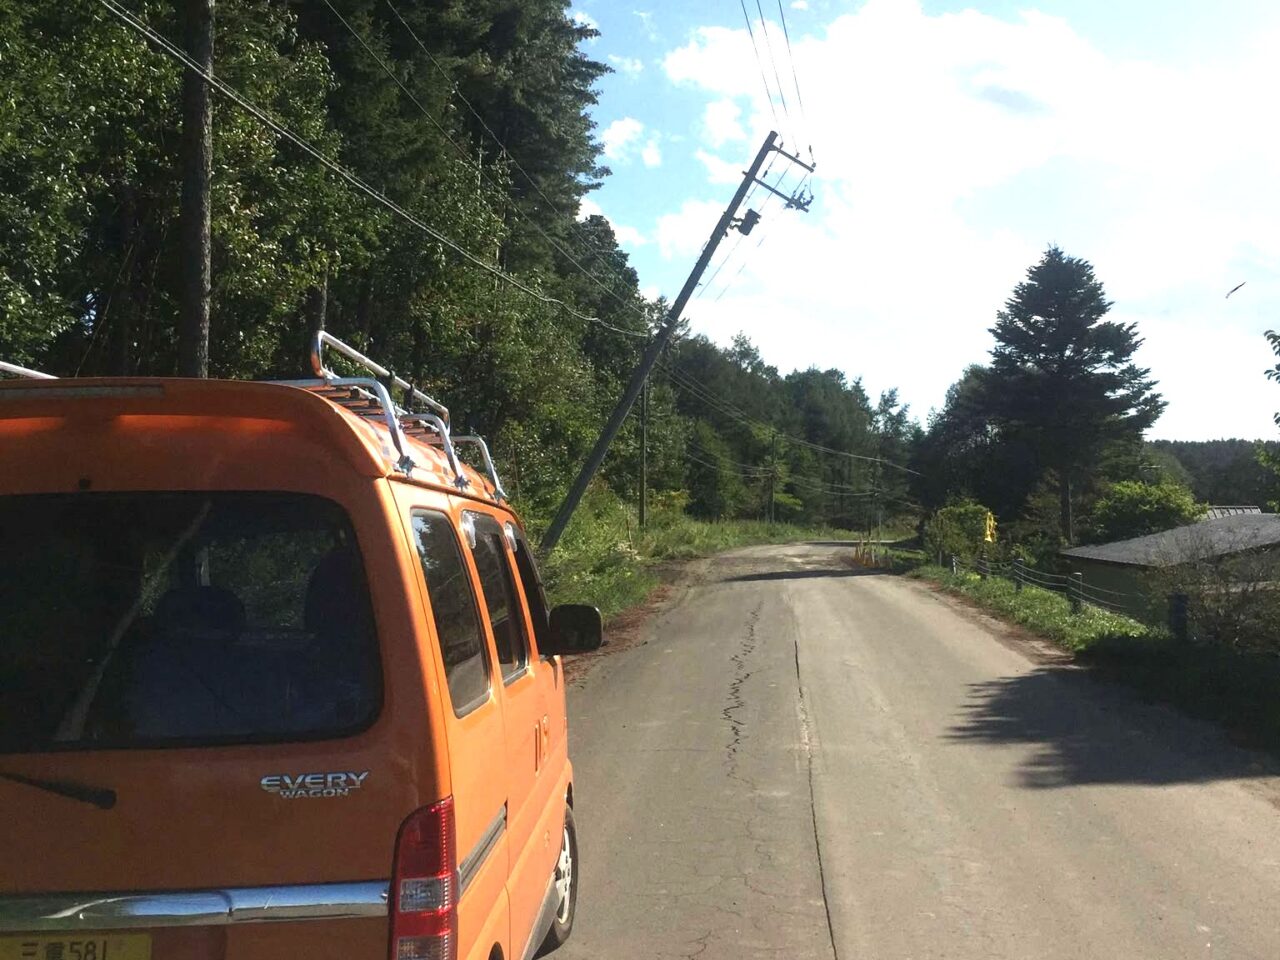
{"x":834,"y":573}
{"x":1089,"y":731}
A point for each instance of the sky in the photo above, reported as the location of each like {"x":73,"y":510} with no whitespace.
{"x":953,"y":144}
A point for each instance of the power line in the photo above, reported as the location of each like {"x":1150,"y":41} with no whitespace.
{"x":732,"y":412}
{"x":768,"y":92}
{"x":465,"y":154}
{"x":166,"y":46}
{"x":804,"y":120}
{"x":749,"y":472}
{"x":457,"y":92}
{"x":764,"y":28}
{"x":706,"y":285}
{"x":764,"y":232}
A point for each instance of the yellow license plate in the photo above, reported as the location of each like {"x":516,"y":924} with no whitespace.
{"x":78,"y":946}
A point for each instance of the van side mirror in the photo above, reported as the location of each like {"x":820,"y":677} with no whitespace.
{"x":575,"y":628}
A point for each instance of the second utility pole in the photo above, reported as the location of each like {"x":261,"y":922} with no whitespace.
{"x":552,"y":536}
{"x":644,"y":453}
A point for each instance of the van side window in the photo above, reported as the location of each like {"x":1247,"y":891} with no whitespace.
{"x":453,"y":604}
{"x":532,"y":585}
{"x":500,"y":597}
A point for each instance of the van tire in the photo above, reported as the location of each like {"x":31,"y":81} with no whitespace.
{"x":562,"y":922}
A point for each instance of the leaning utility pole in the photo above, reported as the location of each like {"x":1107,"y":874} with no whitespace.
{"x":552,"y":536}
{"x":644,"y":453}
{"x":773,"y":470}
{"x":197,"y":169}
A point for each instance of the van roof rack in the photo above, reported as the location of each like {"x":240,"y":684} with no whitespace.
{"x":371,"y":399}
{"x":17,"y":371}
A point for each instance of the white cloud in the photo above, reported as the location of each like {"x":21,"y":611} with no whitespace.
{"x":799,"y":4}
{"x":626,"y":236}
{"x":952,"y":149}
{"x":651,"y":155}
{"x":588,"y":208}
{"x":582,"y":19}
{"x":723,"y":123}
{"x":629,"y":236}
{"x":630,"y":66}
{"x":650,"y":291}
{"x":718,"y":170}
{"x":647,"y":24}
{"x":619,"y":136}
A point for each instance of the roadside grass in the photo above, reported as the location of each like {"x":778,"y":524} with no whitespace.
{"x":1041,"y":611}
{"x":605,"y":559}
{"x":1238,"y":690}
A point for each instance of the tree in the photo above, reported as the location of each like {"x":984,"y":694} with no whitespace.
{"x":1062,"y":379}
{"x":1132,"y":508}
{"x":966,"y":454}
{"x":715,"y":486}
{"x":1266,"y":457}
{"x":958,"y":530}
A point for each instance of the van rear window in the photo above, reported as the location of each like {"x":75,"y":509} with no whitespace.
{"x":158,"y":619}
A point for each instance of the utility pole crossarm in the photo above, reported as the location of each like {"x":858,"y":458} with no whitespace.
{"x":660,"y":339}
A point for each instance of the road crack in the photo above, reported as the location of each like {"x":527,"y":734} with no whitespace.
{"x":806,"y":744}
{"x":741,"y":674}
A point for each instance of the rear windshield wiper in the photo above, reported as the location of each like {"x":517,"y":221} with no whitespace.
{"x":100,"y":797}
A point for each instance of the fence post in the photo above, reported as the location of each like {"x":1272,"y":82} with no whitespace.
{"x":1178,"y":615}
{"x":1076,"y":589}
{"x":954,"y":565}
{"x":1017,"y":574}
{"x":982,"y":567}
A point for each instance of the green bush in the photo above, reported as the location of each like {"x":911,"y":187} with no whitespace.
{"x":1041,"y":611}
{"x":1132,"y":508}
{"x":605,"y":559}
{"x":958,"y":529}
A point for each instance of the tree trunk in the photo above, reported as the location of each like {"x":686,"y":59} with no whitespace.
{"x":197,"y":168}
{"x":1064,"y":500}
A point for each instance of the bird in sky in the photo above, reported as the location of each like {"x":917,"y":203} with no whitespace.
{"x":1236,"y":287}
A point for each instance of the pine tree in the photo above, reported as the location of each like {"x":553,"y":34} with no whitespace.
{"x":1062,"y":378}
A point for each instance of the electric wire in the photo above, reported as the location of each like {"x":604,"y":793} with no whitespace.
{"x":764,"y":229}
{"x":479,"y":168}
{"x":764,"y":28}
{"x":804,"y":120}
{"x":166,"y":46}
{"x":763,"y":76}
{"x":727,"y":409}
{"x":457,"y":92}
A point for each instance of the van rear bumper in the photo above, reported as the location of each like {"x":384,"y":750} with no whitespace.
{"x":120,"y":911}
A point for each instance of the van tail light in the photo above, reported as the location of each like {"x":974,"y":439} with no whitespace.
{"x":424,"y":886}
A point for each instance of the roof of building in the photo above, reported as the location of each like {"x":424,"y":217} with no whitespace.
{"x":1217,"y":512}
{"x":1219,"y":537}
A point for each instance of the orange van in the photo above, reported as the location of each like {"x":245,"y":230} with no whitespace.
{"x":277,"y":679}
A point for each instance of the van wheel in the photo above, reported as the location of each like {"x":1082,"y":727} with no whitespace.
{"x":566,"y":881}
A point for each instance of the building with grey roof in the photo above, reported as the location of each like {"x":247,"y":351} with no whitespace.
{"x":1123,"y":569}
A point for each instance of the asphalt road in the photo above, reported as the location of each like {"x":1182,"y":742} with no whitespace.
{"x":795,"y":759}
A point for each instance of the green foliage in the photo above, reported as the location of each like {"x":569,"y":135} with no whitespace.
{"x":1234,"y":687}
{"x":715,"y":486}
{"x":605,"y":558}
{"x":1062,"y":380}
{"x":1041,"y":611}
{"x":959,"y":529}
{"x":1217,"y":471}
{"x":1132,"y":508}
